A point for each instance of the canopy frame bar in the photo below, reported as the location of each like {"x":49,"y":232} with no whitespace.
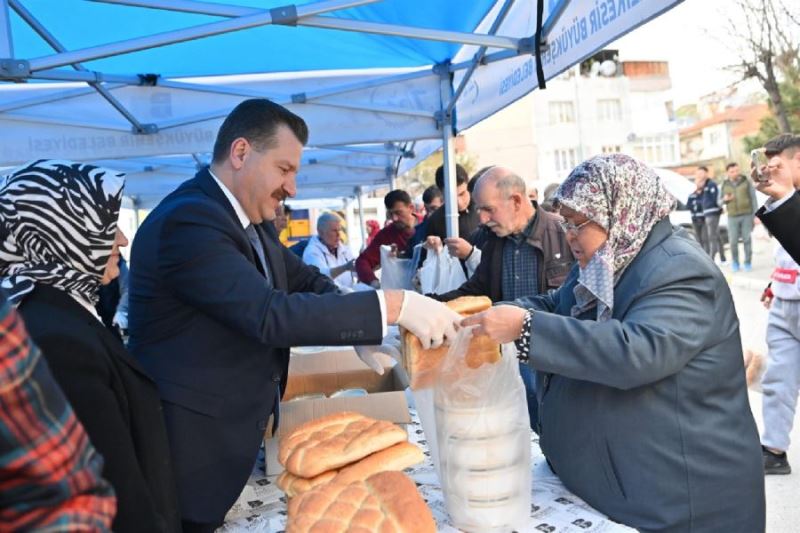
{"x":392,"y":150}
{"x":85,"y":76}
{"x":49,"y":98}
{"x":262,"y":18}
{"x":479,"y":55}
{"x":6,"y":42}
{"x":50,"y":39}
{"x":395,"y":30}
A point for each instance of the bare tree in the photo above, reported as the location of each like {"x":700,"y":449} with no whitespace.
{"x":764,"y":34}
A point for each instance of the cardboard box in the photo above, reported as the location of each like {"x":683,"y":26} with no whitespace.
{"x":326,"y":373}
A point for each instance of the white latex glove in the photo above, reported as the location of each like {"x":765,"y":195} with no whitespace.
{"x":432,"y":322}
{"x":367,"y":354}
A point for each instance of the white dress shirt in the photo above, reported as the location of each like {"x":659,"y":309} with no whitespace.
{"x":240,"y":214}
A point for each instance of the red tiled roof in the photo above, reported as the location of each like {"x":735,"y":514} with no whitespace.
{"x":747,"y":120}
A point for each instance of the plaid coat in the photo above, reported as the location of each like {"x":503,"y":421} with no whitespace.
{"x":49,"y":472}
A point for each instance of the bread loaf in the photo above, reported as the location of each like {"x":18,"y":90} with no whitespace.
{"x":387,"y":502}
{"x":422,"y":365}
{"x":333,"y":441}
{"x":397,"y":457}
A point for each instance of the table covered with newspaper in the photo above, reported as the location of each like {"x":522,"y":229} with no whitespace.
{"x":262,"y":506}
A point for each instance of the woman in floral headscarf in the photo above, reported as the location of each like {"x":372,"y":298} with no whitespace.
{"x":643,"y":408}
{"x":59,"y":242}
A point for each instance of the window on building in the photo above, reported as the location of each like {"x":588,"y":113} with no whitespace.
{"x":609,"y":110}
{"x":657,"y":150}
{"x":565,"y":159}
{"x":611,"y":149}
{"x":562,"y":112}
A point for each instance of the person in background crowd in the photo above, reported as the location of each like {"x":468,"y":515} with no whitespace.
{"x":433,"y":200}
{"x":216,"y":302}
{"x":49,"y":471}
{"x":781,"y":381}
{"x":112,"y":303}
{"x":695,"y":206}
{"x":643,"y":405}
{"x":709,"y":199}
{"x":397,"y":234}
{"x":282,"y":218}
{"x":549,"y":192}
{"x":52,"y":271}
{"x":780,"y":180}
{"x":739,"y":197}
{"x":466,"y":247}
{"x":467,"y":215}
{"x":373,"y":227}
{"x":533,"y":196}
{"x":328,"y":253}
{"x":526,"y":253}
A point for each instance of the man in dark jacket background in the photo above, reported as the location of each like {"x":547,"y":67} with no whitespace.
{"x":781,"y":182}
{"x":712,"y":211}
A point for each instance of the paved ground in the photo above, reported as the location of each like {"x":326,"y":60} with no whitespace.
{"x":783,"y":492}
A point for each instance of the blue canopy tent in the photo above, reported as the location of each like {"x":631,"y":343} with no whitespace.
{"x":143,"y":85}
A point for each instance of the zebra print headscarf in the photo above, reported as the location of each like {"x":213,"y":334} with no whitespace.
{"x":58,"y":221}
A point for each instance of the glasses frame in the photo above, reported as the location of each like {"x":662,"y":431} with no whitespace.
{"x":570,"y":227}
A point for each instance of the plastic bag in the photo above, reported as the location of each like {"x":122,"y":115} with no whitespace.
{"x":396,"y":273}
{"x":483,"y":441}
{"x":441,"y":272}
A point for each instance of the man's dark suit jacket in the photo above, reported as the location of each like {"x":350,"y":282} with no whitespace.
{"x":216,"y":337}
{"x":116,"y":402}
{"x":782,"y":223}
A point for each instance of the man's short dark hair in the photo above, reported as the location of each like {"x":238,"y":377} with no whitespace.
{"x":431,"y":193}
{"x":731,"y":165}
{"x":461,"y":176}
{"x":287,"y":209}
{"x":395,"y":196}
{"x":784,"y":141}
{"x":703,"y":168}
{"x":257,"y":120}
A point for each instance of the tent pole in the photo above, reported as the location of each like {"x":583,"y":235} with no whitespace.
{"x":445,"y":121}
{"x":6,"y":43}
{"x":263,"y":18}
{"x":361,"y":224}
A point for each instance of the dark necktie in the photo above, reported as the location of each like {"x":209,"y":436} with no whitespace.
{"x":258,"y":248}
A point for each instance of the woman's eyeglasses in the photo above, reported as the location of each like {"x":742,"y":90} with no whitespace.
{"x":575,"y":228}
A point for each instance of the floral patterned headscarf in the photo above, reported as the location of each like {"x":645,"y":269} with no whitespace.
{"x":627,"y":199}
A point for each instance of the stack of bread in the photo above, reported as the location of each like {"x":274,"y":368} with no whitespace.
{"x":342,"y":448}
{"x":387,"y":502}
{"x":422,"y":366}
{"x":483,"y":441}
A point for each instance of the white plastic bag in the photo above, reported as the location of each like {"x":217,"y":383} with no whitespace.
{"x":441,"y":272}
{"x":483,"y":441}
{"x":396,"y":273}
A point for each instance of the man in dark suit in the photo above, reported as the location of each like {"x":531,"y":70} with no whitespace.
{"x":781,"y":182}
{"x":216,"y":302}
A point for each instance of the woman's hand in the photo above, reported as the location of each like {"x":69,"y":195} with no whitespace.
{"x":502,"y":323}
